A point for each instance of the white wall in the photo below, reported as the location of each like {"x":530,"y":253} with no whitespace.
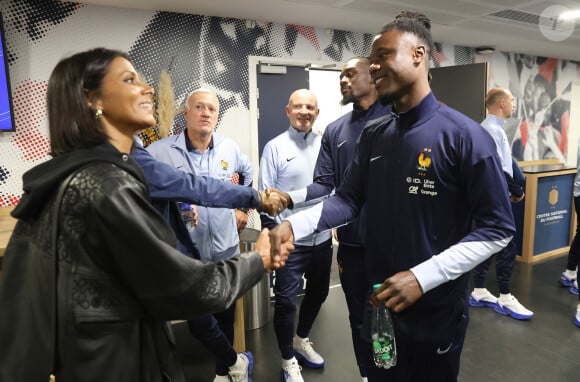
{"x":325,"y":84}
{"x":574,"y":131}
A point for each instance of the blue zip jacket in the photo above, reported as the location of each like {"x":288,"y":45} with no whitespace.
{"x":216,"y":235}
{"x":336,"y":153}
{"x":287,"y":164}
{"x":168,"y":185}
{"x":437,"y":205}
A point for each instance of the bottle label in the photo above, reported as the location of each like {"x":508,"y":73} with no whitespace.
{"x":188,"y":215}
{"x":383,"y":348}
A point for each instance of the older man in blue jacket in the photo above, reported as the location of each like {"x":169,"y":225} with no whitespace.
{"x":168,"y":185}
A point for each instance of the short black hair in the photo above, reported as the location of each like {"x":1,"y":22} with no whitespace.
{"x":423,"y":19}
{"x":413,"y":22}
{"x":366,"y":60}
{"x":71,"y":123}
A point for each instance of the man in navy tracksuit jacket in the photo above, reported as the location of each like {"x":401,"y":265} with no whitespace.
{"x":425,"y":173}
{"x":336,"y":153}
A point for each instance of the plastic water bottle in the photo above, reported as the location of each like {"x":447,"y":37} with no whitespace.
{"x":383,"y":336}
{"x":187,"y":215}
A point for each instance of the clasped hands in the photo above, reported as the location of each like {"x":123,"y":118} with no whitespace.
{"x":274,"y":246}
{"x":273,"y":201}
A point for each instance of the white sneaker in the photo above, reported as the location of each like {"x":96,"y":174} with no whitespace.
{"x":574,"y":288}
{"x":508,"y":305}
{"x":365,"y":379}
{"x":242,"y":369}
{"x":221,"y":378}
{"x":291,"y":371}
{"x":577,"y":316}
{"x":566,"y":279}
{"x":306,"y":354}
{"x":482,"y":297}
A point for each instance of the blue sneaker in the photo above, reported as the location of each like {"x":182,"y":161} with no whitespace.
{"x":574,"y":288}
{"x":577,"y":317}
{"x":510,"y":306}
{"x":482,"y":298}
{"x":565,"y":280}
{"x":242,"y":369}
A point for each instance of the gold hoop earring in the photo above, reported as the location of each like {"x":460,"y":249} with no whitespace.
{"x":98,"y":113}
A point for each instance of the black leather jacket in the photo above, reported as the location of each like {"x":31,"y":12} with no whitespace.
{"x":93,"y":307}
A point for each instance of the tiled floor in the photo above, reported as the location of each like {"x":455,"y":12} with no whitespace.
{"x":497,"y":348}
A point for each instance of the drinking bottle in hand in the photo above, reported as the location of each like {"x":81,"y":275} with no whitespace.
{"x":383,"y":336}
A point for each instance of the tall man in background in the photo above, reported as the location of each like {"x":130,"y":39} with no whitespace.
{"x":287,"y":164}
{"x":500,"y":106}
{"x":336,"y":154}
{"x":201,"y":151}
{"x":425,"y":174}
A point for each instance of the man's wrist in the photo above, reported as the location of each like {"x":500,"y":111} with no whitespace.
{"x":290,"y":202}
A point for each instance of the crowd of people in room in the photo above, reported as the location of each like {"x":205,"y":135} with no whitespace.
{"x":115,"y":240}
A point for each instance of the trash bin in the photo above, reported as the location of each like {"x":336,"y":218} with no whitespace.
{"x":257,"y":299}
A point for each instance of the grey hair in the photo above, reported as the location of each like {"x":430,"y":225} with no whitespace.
{"x":197,"y":91}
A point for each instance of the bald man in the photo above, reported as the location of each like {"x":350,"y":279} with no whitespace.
{"x":288,"y":163}
{"x":500,"y":106}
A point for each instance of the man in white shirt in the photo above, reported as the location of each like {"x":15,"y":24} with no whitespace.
{"x":500,"y":106}
{"x":287,"y":164}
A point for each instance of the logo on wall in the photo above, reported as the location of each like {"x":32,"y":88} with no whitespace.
{"x":553,"y":196}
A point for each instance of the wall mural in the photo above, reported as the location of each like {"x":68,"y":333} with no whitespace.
{"x":212,"y":52}
{"x":542,"y":87}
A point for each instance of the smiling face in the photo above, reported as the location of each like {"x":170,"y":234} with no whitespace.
{"x":126,"y":102}
{"x":397,"y":66}
{"x":201,"y":113}
{"x":302,"y":110}
{"x":355,"y":81}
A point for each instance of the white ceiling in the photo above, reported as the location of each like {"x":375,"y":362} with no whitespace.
{"x":458,"y":22}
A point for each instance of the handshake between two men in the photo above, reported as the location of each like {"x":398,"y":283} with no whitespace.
{"x":272,"y":202}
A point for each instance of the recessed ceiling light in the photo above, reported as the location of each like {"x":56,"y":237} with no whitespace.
{"x":570,"y":15}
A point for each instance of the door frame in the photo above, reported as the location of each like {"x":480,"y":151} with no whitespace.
{"x":253,"y":62}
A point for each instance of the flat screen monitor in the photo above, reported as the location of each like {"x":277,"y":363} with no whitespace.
{"x":462,"y":87}
{"x":6,"y":109}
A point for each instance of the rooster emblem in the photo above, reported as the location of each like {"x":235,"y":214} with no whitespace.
{"x":553,"y":196}
{"x":224,"y":164}
{"x":424,"y":161}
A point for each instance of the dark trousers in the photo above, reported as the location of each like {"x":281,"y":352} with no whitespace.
{"x":314,"y":263}
{"x":504,"y":267}
{"x":422,"y":361}
{"x":574,"y":254}
{"x":216,"y":333}
{"x":353,"y":278}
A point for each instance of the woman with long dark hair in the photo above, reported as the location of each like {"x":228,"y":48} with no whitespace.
{"x":90,"y":273}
